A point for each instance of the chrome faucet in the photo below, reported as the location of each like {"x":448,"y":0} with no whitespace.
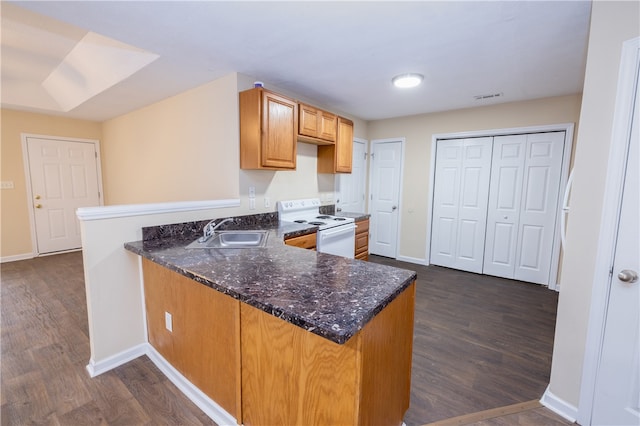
{"x":210,"y":228}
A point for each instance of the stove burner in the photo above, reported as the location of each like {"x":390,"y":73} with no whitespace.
{"x":316,"y":223}
{"x":300,"y":221}
{"x":323,"y":217}
{"x":339,"y":218}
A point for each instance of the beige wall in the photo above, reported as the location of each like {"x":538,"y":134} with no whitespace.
{"x":612,"y":23}
{"x":418,"y":131}
{"x":187,"y":148}
{"x":179,"y":149}
{"x":15,"y":237}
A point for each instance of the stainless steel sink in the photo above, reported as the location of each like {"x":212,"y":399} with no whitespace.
{"x":232,"y":240}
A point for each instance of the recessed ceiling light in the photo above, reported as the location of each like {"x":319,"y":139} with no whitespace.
{"x":407,"y":80}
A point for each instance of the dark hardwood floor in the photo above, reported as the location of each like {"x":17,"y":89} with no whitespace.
{"x":479,"y":343}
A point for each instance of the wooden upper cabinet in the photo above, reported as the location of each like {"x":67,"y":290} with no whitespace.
{"x":338,"y":158}
{"x":268,"y":128}
{"x":316,"y":126}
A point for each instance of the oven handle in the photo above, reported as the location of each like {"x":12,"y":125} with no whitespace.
{"x":343,"y":229}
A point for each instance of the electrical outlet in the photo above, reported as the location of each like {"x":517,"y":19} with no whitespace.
{"x":252,"y":203}
{"x":168,"y":321}
{"x":252,"y":192}
{"x":267,"y":202}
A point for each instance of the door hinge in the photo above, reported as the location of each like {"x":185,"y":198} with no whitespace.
{"x":373,"y":155}
{"x":95,"y":153}
{"x":365,"y":155}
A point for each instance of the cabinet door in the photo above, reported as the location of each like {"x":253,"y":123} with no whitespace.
{"x":308,"y":121}
{"x":279,"y":124}
{"x":327,"y":126}
{"x":344,"y":146}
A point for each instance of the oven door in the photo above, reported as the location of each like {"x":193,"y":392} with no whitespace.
{"x":339,"y":240}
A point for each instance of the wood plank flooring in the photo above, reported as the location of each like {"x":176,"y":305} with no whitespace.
{"x":479,"y":343}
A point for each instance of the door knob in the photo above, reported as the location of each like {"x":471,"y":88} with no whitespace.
{"x":394,"y":207}
{"x":37,"y":197}
{"x":628,"y":276}
{"x":38,"y":206}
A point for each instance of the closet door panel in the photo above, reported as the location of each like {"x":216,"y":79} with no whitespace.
{"x":446,"y":198}
{"x":476,"y":172}
{"x":460,"y":203}
{"x":503,"y":210}
{"x":538,"y":217}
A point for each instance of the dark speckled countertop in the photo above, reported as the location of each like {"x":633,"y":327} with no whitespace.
{"x":330,"y":296}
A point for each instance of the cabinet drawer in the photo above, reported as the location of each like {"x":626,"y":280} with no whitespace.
{"x":362,"y":226}
{"x":304,"y":241}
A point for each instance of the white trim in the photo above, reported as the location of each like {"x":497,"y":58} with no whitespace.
{"x":100,"y":367}
{"x":622,"y":119}
{"x":16,"y":257}
{"x":143,"y":303}
{"x":410,"y":259}
{"x":27,"y":174}
{"x":202,"y":401}
{"x":559,"y":406}
{"x":195,"y":395}
{"x":402,"y":141}
{"x":568,"y":128}
{"x":125,"y":210}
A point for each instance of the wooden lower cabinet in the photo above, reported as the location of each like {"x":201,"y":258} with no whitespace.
{"x":204,"y":345}
{"x":266,"y":371}
{"x":303,"y":241}
{"x":293,"y":377}
{"x":362,"y":240}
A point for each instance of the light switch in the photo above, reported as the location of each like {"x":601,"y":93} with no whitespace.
{"x":252,"y":192}
{"x":7,"y":184}
{"x":267,"y":202}
{"x":252,"y":203}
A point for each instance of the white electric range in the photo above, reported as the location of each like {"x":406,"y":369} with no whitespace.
{"x":335,"y":235}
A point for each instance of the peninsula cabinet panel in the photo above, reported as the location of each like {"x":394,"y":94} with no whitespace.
{"x":293,"y":377}
{"x":204,"y":345}
{"x":268,"y":128}
{"x":338,"y":158}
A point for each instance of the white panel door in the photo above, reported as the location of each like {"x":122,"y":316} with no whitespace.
{"x":350,"y":188}
{"x":523,"y":206}
{"x":539,"y":206}
{"x":503,"y":212}
{"x":460,"y":203}
{"x":386,"y":167}
{"x":64,"y":177}
{"x":617,"y":394}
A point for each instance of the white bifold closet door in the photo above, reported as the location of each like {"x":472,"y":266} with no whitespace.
{"x":523,"y":204}
{"x":495,"y":204}
{"x":460,"y":203}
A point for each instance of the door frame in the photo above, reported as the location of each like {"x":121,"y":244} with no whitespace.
{"x":622,"y":120}
{"x":27,"y":173}
{"x":373,"y":142}
{"x":568,"y":128}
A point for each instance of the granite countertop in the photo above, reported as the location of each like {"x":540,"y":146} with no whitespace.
{"x":331,"y":296}
{"x":356,"y":216}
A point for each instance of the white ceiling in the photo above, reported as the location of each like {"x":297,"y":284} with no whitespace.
{"x":340,"y":54}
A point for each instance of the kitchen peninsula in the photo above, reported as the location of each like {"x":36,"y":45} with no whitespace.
{"x":280,"y":334}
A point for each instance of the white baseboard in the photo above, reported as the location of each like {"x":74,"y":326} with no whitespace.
{"x":97,"y":368}
{"x":415,"y":260}
{"x":559,"y":406}
{"x":202,"y":401}
{"x":16,"y":257}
